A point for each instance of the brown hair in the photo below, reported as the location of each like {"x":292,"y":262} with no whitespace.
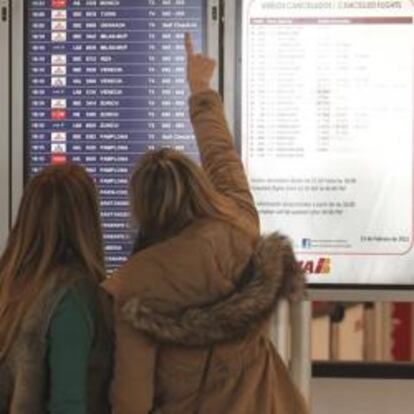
{"x":168,"y":191}
{"x":57,"y":225}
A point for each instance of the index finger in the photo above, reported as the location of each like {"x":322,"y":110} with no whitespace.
{"x":189,"y":44}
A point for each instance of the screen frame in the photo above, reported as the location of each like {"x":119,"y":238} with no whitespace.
{"x":318,"y":291}
{"x":18,"y":105}
{"x":20,"y":31}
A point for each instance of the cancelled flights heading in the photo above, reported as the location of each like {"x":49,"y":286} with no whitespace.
{"x":105,"y":82}
{"x":327,"y":133}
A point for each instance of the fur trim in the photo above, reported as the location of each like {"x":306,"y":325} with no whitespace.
{"x":274,"y":274}
{"x":23,"y":377}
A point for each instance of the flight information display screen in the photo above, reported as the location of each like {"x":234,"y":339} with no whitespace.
{"x":106,"y":82}
{"x":327,"y":133}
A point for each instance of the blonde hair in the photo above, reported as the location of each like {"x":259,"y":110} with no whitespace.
{"x":169,"y":191}
{"x":57,"y":224}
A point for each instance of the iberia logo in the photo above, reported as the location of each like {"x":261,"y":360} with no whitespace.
{"x":319,"y":266}
{"x":59,"y":4}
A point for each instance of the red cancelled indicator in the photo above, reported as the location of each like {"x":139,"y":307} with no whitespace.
{"x":58,"y":114}
{"x":59,"y":4}
{"x":59,"y":159}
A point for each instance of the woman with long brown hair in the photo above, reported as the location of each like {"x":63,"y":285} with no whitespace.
{"x":54,"y":323}
{"x":193,"y":303}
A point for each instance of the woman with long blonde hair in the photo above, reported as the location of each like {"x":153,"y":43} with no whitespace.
{"x":55,"y":343}
{"x":193,"y":303}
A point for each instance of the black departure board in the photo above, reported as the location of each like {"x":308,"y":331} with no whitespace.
{"x":106,"y":82}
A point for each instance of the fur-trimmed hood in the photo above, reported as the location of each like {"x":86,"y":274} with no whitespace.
{"x":273,"y":273}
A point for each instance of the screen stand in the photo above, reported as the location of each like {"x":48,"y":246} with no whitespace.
{"x":280,"y":330}
{"x":301,"y":367}
{"x":291,"y":335}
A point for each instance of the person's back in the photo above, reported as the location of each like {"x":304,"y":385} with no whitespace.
{"x":55,"y":345}
{"x":198,"y":256}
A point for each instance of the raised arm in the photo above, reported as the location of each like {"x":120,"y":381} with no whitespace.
{"x":218,"y":154}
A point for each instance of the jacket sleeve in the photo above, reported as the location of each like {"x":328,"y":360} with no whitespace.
{"x":70,"y":340}
{"x":218,"y":154}
{"x":133,"y":383}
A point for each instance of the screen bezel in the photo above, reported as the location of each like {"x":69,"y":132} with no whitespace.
{"x":206,"y":31}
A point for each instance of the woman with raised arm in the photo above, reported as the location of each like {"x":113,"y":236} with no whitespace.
{"x":193,"y":302}
{"x":55,"y":341}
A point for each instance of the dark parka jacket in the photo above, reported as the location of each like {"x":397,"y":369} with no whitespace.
{"x":24,"y":372}
{"x":203,"y":299}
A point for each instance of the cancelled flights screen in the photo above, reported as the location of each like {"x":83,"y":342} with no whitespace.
{"x":327,"y":133}
{"x":105,"y":82}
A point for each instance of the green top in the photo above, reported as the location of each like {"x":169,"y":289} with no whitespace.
{"x":70,"y":339}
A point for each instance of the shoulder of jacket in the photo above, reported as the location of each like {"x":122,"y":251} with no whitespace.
{"x":39,"y":314}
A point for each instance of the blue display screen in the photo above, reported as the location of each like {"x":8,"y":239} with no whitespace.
{"x":106,"y":82}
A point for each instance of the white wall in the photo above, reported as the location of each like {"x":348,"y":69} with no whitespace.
{"x":354,"y":396}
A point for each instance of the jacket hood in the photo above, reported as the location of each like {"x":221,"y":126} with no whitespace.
{"x":272,"y":274}
{"x":200,"y":264}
